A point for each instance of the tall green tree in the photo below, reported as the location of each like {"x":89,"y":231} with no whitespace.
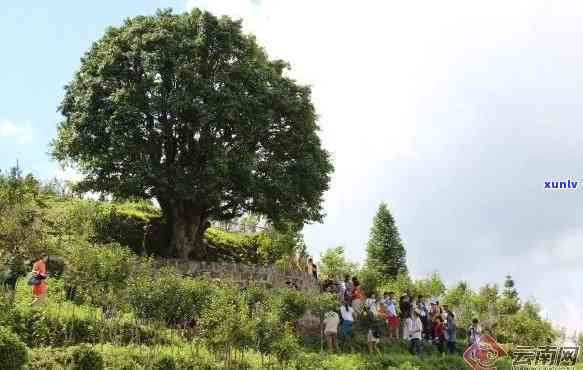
{"x":189,"y":110}
{"x":385,"y":251}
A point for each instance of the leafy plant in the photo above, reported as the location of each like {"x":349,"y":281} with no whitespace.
{"x":13,"y":352}
{"x":98,"y":273}
{"x":86,"y":358}
{"x":165,"y":296}
{"x":333,"y":264}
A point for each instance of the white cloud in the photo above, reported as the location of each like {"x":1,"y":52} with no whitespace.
{"x":22,"y":133}
{"x":563,"y":252}
{"x":454,"y":112}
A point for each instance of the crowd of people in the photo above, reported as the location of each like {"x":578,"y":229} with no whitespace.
{"x":417,"y":320}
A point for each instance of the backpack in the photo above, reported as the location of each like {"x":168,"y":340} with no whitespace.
{"x":34,"y":279}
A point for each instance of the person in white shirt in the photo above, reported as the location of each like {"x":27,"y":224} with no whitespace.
{"x":341,"y":290}
{"x":413,"y":328}
{"x":370,"y":304}
{"x":331,"y":322}
{"x":347,"y":314}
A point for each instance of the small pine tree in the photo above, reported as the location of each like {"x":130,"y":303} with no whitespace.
{"x":509,"y":290}
{"x":385,"y":251}
{"x":509,"y":303}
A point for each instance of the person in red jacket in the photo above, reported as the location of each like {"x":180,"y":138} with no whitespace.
{"x":439,"y":334}
{"x":39,"y":290}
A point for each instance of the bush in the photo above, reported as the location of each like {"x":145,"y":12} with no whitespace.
{"x":124,"y":224}
{"x":67,"y":325}
{"x":292,"y":305}
{"x":233,"y":247}
{"x":226,"y":321}
{"x":86,"y":358}
{"x":13,"y":352}
{"x":286,"y":347}
{"x":98,"y":273}
{"x":165,"y":363}
{"x":166,"y":296}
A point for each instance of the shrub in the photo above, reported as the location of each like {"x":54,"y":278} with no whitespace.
{"x":226,"y":321}
{"x":13,"y":352}
{"x":125,"y":226}
{"x":98,"y":273}
{"x":166,"y":296}
{"x":86,"y":358}
{"x":165,"y":363}
{"x":68,"y":325}
{"x":286,"y":347}
{"x":292,"y":305}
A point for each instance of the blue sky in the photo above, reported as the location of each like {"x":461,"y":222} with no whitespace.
{"x":455,"y":113}
{"x":42,"y":44}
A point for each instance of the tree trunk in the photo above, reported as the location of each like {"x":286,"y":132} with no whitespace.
{"x":187,"y":225}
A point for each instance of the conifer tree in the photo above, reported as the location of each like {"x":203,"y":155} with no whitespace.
{"x":385,"y":252}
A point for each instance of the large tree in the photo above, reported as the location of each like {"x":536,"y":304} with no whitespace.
{"x":189,"y":110}
{"x":385,"y":253}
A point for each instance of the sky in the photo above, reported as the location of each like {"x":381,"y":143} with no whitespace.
{"x":455,"y":113}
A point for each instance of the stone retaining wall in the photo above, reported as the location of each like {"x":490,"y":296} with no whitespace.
{"x":242,"y":274}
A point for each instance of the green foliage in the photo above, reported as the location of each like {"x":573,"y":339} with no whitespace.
{"x":98,"y":273}
{"x":123,"y":226}
{"x":23,"y":230}
{"x":165,"y":296}
{"x":195,"y":114}
{"x":399,"y":285}
{"x":165,"y":363}
{"x":86,"y":358}
{"x":220,"y":321}
{"x":525,"y":327}
{"x":385,"y":252}
{"x":101,"y":222}
{"x":322,"y":303}
{"x":509,"y":303}
{"x":13,"y":352}
{"x":66,"y":325}
{"x":286,"y":347}
{"x":432,"y":286}
{"x":461,"y":300}
{"x":333,"y":264}
{"x":236,"y":247}
{"x":370,"y":281}
{"x":292,"y":305}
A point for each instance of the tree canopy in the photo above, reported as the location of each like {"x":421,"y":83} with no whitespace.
{"x":189,"y":110}
{"x":334,"y":264}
